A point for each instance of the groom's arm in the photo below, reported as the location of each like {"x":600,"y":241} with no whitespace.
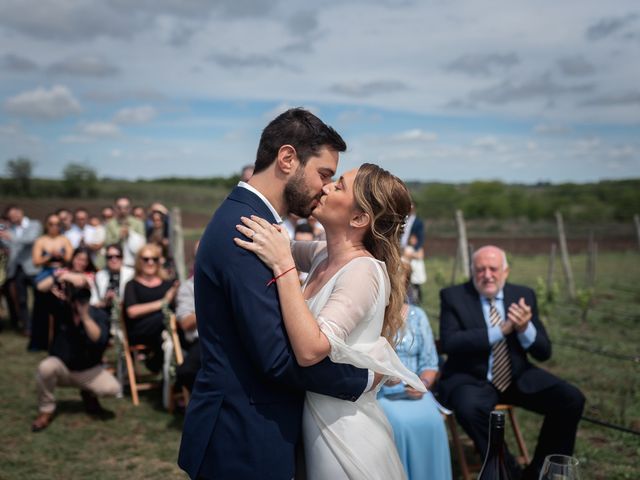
{"x":256,"y":311}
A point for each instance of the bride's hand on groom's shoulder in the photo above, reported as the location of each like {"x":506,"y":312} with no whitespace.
{"x":269,"y":242}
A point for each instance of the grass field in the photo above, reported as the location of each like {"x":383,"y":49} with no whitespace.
{"x":143,"y":442}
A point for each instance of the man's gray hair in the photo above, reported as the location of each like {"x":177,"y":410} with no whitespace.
{"x":505,"y":263}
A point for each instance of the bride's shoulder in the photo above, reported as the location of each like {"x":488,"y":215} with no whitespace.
{"x":366,"y":267}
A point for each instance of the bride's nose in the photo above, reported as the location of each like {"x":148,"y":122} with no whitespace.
{"x":328,"y":187}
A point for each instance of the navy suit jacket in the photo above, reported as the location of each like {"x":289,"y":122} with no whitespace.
{"x":464,"y":338}
{"x":245,"y":413}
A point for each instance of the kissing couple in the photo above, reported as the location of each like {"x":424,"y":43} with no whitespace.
{"x":284,"y":365}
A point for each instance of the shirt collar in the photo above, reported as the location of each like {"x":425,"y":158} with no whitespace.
{"x":499,"y":297}
{"x":276,"y":215}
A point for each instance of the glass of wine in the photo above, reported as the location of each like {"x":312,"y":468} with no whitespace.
{"x":559,"y":467}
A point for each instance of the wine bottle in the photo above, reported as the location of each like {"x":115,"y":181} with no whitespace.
{"x":494,"y":466}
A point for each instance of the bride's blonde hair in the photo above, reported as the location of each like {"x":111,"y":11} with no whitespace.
{"x":386,"y":199}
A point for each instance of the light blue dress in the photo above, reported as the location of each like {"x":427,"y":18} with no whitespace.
{"x":418,"y":427}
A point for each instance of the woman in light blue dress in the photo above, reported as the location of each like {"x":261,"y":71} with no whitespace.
{"x":418,"y":427}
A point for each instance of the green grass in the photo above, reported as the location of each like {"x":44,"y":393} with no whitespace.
{"x":142,"y":442}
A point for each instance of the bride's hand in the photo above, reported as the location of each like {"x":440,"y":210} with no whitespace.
{"x":269,"y":242}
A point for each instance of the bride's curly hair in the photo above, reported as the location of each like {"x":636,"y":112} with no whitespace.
{"x":386,"y":199}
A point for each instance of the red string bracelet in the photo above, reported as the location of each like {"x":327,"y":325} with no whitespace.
{"x":273,"y":280}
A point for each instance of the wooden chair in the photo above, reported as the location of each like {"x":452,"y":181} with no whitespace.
{"x":177,"y":351}
{"x":465,"y":467}
{"x":130,"y":354}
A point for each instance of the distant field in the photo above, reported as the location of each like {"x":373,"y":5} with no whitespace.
{"x":143,"y":442}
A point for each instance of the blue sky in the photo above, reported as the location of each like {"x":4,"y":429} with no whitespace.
{"x":431,"y":90}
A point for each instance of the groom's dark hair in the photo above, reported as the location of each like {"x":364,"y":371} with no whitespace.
{"x":303,"y":131}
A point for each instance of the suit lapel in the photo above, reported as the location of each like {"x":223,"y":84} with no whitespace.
{"x":243,"y":195}
{"x":509,"y":297}
{"x":476,"y":317}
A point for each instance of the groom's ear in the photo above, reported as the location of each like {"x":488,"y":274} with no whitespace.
{"x":287,"y":159}
{"x":360,"y":220}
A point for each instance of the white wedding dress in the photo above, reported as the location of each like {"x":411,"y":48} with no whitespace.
{"x":343,"y":439}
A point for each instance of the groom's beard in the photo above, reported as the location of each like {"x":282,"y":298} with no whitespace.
{"x":297,"y":197}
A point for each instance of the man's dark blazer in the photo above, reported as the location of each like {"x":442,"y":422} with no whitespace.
{"x":464,"y":339}
{"x":245,"y":413}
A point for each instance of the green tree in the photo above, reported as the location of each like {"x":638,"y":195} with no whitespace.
{"x":79,"y":181}
{"x":19,"y":169}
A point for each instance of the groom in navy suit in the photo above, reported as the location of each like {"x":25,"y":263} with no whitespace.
{"x":487,"y":329}
{"x":244,"y":417}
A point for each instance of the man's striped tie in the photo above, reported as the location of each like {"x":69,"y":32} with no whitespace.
{"x":501,"y":371}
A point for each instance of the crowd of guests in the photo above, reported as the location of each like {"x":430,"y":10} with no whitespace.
{"x":83,"y":271}
{"x":81,"y":266}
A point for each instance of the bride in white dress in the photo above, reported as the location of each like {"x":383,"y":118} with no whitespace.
{"x":353,"y":294}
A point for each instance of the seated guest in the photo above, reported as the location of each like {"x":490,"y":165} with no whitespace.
{"x":81,"y":272}
{"x":138,"y":212}
{"x":418,"y":427}
{"x":145,"y":298}
{"x":94,"y":240}
{"x":488,"y":328}
{"x":80,"y":337}
{"x":50,"y":252}
{"x":158,"y":232}
{"x":110,"y":282}
{"x":126,"y":230}
{"x":186,"y":317}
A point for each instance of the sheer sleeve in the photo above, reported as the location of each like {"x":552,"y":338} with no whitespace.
{"x":360,"y":295}
{"x":357,"y":292}
{"x":304,"y":253}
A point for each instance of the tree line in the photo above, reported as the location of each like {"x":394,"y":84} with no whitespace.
{"x":611,"y":200}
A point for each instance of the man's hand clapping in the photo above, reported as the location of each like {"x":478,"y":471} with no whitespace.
{"x":520,"y":315}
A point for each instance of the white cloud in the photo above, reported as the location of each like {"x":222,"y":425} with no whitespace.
{"x":100,"y":129}
{"x":142,"y":114}
{"x":43,"y":104}
{"x":415,"y":135}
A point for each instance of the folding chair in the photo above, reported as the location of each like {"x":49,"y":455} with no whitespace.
{"x":173,"y":396}
{"x":130,"y":353}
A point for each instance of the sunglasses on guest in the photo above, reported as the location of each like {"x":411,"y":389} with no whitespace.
{"x":150,"y":259}
{"x":114,"y":257}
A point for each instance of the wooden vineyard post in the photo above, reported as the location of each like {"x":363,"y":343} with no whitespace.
{"x":463,"y":246}
{"x":562,"y":239}
{"x":551,"y":269}
{"x":177,"y":243}
{"x":636,"y":220}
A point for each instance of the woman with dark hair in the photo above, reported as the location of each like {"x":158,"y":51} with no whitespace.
{"x":349,"y":309}
{"x":80,"y":273}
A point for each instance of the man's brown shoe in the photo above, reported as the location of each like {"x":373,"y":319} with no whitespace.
{"x":41,"y":422}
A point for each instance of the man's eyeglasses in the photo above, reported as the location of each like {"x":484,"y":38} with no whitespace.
{"x":150,"y":259}
{"x":114,"y":257}
{"x":53,"y":224}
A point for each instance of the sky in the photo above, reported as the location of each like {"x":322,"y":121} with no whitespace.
{"x":447,"y":90}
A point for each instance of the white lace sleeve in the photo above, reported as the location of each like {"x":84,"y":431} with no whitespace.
{"x":360,"y":295}
{"x":305,"y":252}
